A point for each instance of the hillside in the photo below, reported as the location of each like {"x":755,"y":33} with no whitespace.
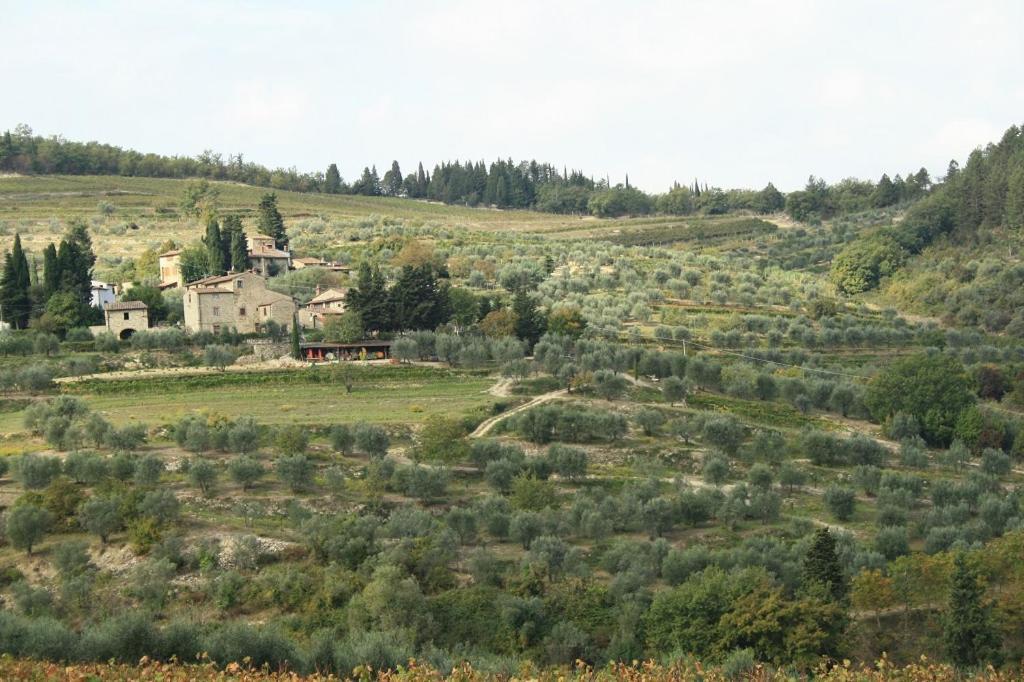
{"x":666,"y":437}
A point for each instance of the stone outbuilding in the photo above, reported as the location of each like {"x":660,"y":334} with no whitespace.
{"x":125,"y":318}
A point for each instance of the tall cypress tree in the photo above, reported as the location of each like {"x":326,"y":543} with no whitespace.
{"x":22,"y":281}
{"x":296,"y":348}
{"x":270,"y":222}
{"x":239,"y":252}
{"x":214,"y":247}
{"x":970,"y":637}
{"x":51,"y":270}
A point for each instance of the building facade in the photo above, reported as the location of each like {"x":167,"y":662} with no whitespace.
{"x":324,"y":304}
{"x":240,"y":301}
{"x":126,"y":318}
{"x":170,"y":269}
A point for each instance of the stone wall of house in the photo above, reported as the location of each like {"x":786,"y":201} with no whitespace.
{"x":282,"y":312}
{"x":208,"y":311}
{"x":124,"y":323}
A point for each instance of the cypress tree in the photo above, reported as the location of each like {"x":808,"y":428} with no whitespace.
{"x":75,"y":260}
{"x":369,"y":298}
{"x":822,"y":569}
{"x":969,"y":634}
{"x":296,"y":348}
{"x":270,"y":222}
{"x":22,"y":281}
{"x":51,"y":270}
{"x":239,"y":252}
{"x":214,"y":247}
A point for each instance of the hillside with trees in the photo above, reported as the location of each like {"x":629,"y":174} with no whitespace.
{"x":674,"y":438}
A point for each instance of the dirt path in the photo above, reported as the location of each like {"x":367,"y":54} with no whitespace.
{"x":485,"y":426}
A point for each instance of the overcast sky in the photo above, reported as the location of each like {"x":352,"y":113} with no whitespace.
{"x":736,"y":93}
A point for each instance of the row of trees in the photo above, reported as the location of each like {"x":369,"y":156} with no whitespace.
{"x":503,"y":183}
{"x":60,"y":298}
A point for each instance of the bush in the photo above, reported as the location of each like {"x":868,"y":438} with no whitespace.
{"x":36,"y":471}
{"x":295,"y":471}
{"x":100,"y":516}
{"x":160,"y":505}
{"x":292,"y":440}
{"x":245,"y":471}
{"x":371,"y":439}
{"x":219,"y":356}
{"x":840,"y":501}
{"x":203,"y":475}
{"x":341,"y":439}
{"x":27,"y":525}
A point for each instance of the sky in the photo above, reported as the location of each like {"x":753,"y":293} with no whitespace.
{"x":734,"y":92}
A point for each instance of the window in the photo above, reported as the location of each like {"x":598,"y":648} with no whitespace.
{"x":241,"y":312}
{"x":238,"y":283}
{"x":216,"y":329}
{"x":216,"y":311}
{"x":126,"y":316}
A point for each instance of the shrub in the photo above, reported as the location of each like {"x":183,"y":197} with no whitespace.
{"x":36,"y":471}
{"x":245,"y":471}
{"x":371,"y":439}
{"x":295,"y":471}
{"x":292,"y":440}
{"x":27,"y":525}
{"x":840,"y":501}
{"x":100,"y":516}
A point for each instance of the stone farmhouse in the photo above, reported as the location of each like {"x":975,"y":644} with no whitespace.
{"x":124,"y":319}
{"x":325,"y":303}
{"x":264,"y":258}
{"x":241,"y":301}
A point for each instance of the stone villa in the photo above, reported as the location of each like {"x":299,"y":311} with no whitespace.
{"x":241,"y":301}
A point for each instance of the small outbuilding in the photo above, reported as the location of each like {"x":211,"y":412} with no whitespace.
{"x":125,"y":318}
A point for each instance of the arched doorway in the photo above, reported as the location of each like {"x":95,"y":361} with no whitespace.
{"x":126,"y":334}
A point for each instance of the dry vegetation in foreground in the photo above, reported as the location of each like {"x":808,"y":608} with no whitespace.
{"x":882,"y":671}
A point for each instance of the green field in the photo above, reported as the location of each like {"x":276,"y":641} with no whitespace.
{"x":386,"y":396}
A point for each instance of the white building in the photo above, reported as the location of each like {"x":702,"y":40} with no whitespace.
{"x":101,"y":294}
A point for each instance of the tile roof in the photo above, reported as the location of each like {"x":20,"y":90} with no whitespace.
{"x":126,"y":305}
{"x":329,"y":295}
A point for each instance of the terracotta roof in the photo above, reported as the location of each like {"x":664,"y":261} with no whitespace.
{"x":309,"y":261}
{"x":272,"y":297}
{"x":329,"y":296}
{"x":172,"y":252}
{"x":269,"y":253}
{"x":126,"y":305}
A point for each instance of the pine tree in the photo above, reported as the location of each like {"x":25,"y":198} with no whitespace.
{"x":332,"y":180}
{"x":530,"y":325}
{"x":214,"y":247}
{"x":970,"y":637}
{"x":270,"y":221}
{"x":821,"y":567}
{"x":51,"y":270}
{"x":885,"y":193}
{"x":75,"y":261}
{"x":369,"y":298}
